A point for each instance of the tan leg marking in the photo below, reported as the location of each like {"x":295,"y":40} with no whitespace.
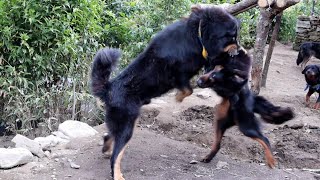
{"x":307,"y":100}
{"x":223,"y":108}
{"x":117,"y":169}
{"x":316,"y":106}
{"x":183,"y":94}
{"x":268,"y":154}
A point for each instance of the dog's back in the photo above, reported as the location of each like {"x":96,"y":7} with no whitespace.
{"x":307,"y":50}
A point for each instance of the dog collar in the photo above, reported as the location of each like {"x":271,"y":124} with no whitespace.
{"x":315,"y":87}
{"x":204,"y":51}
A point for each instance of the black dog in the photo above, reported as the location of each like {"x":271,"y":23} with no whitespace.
{"x":239,"y":104}
{"x":171,"y":59}
{"x":312,"y":76}
{"x":307,"y":50}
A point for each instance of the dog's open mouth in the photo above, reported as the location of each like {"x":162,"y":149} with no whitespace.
{"x":232,"y":49}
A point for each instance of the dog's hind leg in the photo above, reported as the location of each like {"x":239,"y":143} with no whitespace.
{"x":107,"y":143}
{"x":223,"y":122}
{"x":252,"y":130}
{"x":121,"y":138}
{"x":121,"y":127}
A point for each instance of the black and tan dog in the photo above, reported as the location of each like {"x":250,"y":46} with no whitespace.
{"x":239,"y":104}
{"x":171,"y":59}
{"x":307,"y":50}
{"x":312,"y":76}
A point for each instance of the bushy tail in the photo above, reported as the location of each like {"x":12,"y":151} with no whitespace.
{"x":270,"y":113}
{"x":104,"y":61}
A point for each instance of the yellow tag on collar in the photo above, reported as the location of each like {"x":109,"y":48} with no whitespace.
{"x":204,"y":53}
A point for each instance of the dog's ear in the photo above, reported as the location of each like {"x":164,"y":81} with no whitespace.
{"x":306,"y":68}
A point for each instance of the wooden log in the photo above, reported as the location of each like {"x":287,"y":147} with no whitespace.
{"x":283,"y":4}
{"x":263,"y":27}
{"x":233,"y":9}
{"x":274,"y":37}
{"x":265,"y":3}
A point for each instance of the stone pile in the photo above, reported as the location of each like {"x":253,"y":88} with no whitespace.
{"x":307,"y":30}
{"x":25,"y":148}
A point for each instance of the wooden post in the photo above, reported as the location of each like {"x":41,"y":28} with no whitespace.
{"x":265,"y":18}
{"x":263,"y":27}
{"x":270,"y":49}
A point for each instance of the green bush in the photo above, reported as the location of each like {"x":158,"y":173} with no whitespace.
{"x":43,"y":44}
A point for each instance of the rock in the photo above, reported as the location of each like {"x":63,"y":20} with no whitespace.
{"x":50,"y":141}
{"x":75,"y":129}
{"x":193,"y":162}
{"x":24,"y":142}
{"x":13,"y":157}
{"x":164,"y":156}
{"x":205,"y":94}
{"x":303,"y":24}
{"x":60,"y":135}
{"x":222,"y":165}
{"x":74,"y":165}
{"x":47,"y":154}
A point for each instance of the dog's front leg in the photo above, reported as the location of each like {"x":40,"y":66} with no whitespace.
{"x":223,"y":122}
{"x":317,"y":105}
{"x":310,"y":92}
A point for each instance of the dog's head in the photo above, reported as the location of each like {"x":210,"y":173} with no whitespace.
{"x":312,"y":74}
{"x":223,"y":82}
{"x":219,"y":30}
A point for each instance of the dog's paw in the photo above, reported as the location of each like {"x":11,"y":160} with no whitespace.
{"x":316,"y":106}
{"x":206,"y":159}
{"x":271,"y":162}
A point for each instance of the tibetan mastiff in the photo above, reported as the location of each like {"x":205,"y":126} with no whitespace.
{"x":170,"y":60}
{"x":307,"y":50}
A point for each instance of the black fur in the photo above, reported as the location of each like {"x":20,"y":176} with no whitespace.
{"x":312,"y":77}
{"x":171,"y":59}
{"x":239,"y":104}
{"x":307,"y":50}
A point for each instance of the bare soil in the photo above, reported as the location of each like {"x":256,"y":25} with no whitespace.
{"x":170,"y":135}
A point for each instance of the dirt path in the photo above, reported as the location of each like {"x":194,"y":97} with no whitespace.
{"x":170,"y":135}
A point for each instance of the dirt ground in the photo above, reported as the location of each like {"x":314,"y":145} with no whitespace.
{"x":170,"y":135}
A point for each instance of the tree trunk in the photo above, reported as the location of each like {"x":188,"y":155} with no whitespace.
{"x":270,"y":50}
{"x":263,"y":27}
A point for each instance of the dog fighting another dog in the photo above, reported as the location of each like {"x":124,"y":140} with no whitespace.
{"x":207,"y":38}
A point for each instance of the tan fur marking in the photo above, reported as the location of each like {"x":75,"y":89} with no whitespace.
{"x":230,"y":47}
{"x":268,"y":154}
{"x":117,"y":169}
{"x":217,"y":68}
{"x":183,"y":94}
{"x":223,"y":108}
